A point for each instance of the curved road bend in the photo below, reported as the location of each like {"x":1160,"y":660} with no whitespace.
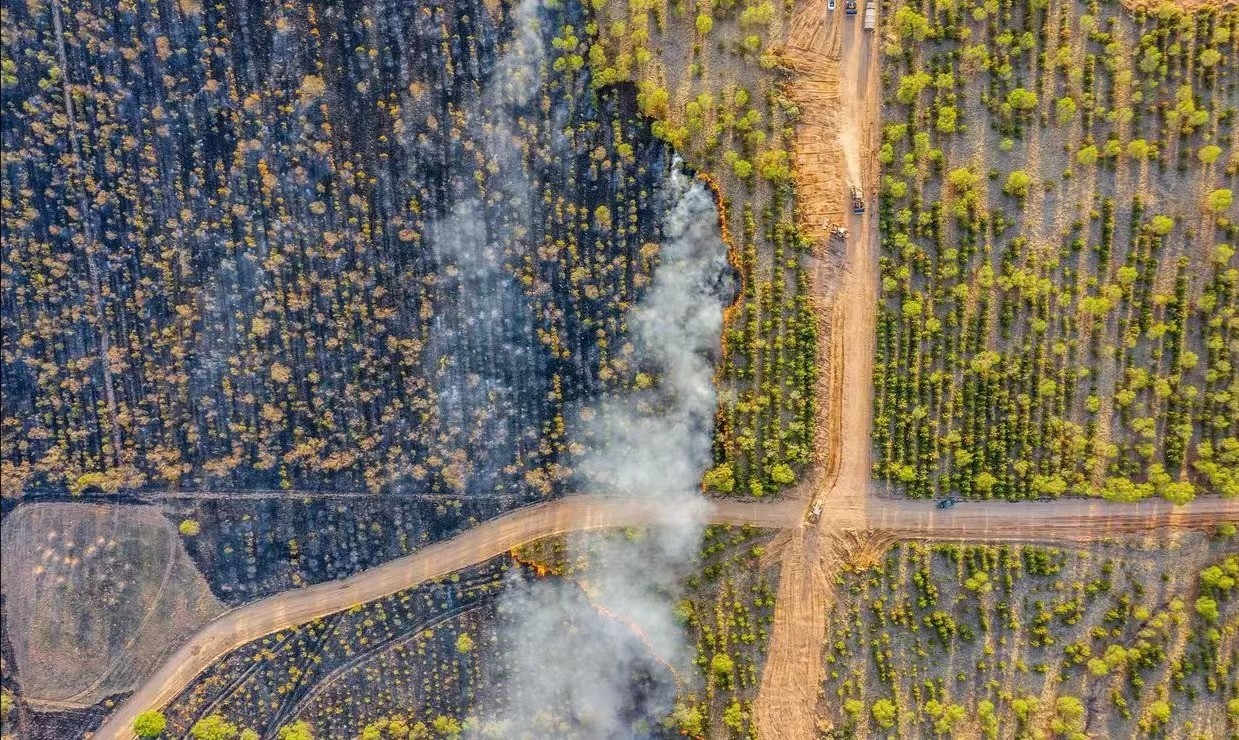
{"x":477,"y":544}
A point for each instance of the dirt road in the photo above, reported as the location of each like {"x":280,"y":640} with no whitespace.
{"x":785,"y":705}
{"x":480,"y":543}
{"x":1061,"y":520}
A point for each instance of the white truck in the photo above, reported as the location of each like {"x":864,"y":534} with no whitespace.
{"x":871,"y":14}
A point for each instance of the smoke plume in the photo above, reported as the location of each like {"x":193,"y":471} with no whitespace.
{"x":598,"y":658}
{"x":587,"y":657}
{"x":482,"y":314}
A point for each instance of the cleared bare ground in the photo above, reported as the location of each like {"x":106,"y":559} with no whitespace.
{"x":95,"y":598}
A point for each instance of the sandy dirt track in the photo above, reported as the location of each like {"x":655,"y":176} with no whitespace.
{"x":786,"y":701}
{"x":478,"y":544}
{"x":1070,"y":520}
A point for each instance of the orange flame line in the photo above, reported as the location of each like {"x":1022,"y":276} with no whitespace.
{"x":638,"y":632}
{"x":539,"y":568}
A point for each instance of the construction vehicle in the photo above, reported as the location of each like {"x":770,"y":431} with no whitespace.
{"x":849,"y":7}
{"x":858,"y":200}
{"x":947,"y":502}
{"x":871,"y":15}
{"x":815,"y":512}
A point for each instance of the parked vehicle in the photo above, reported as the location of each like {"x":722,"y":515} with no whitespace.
{"x":830,"y":5}
{"x":815,"y":513}
{"x":871,"y":15}
{"x":849,"y":7}
{"x":858,"y":200}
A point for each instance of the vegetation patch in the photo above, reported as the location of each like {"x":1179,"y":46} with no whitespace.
{"x":728,"y":609}
{"x":403,"y":654}
{"x":1059,"y":290}
{"x":1024,"y":642}
{"x":709,"y":73}
{"x":248,"y":548}
{"x":260,"y":246}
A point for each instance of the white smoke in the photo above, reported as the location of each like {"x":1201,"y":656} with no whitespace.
{"x":487,"y":315}
{"x":573,"y":672}
{"x":574,"y":668}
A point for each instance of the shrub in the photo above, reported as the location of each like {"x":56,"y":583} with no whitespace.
{"x":150,"y":724}
{"x":1139,"y":149}
{"x":299,"y":730}
{"x":1161,"y":225}
{"x":1207,"y":608}
{"x":1219,"y":201}
{"x":1017,"y":184}
{"x":1021,"y":99}
{"x":884,"y":712}
{"x":213,"y":727}
{"x":719,"y":479}
{"x":1066,"y":108}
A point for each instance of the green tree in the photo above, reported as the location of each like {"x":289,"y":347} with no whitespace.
{"x":854,"y":707}
{"x":1017,"y":184}
{"x":299,"y":730}
{"x":884,"y":712}
{"x":705,"y":23}
{"x":1219,"y":200}
{"x":1069,"y":716}
{"x":911,"y":24}
{"x":1139,"y":149}
{"x":689,"y":719}
{"x":946,"y":119}
{"x":1179,"y":492}
{"x":1159,"y":713}
{"x":719,"y":479}
{"x":150,"y":724}
{"x":1161,"y":225}
{"x":782,"y":474}
{"x":961,"y":179}
{"x":213,"y":727}
{"x":1021,"y":99}
{"x":1066,"y":108}
{"x":447,"y":727}
{"x":1207,"y":608}
{"x":910,"y":86}
{"x":464,"y":643}
{"x":733,"y":716}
